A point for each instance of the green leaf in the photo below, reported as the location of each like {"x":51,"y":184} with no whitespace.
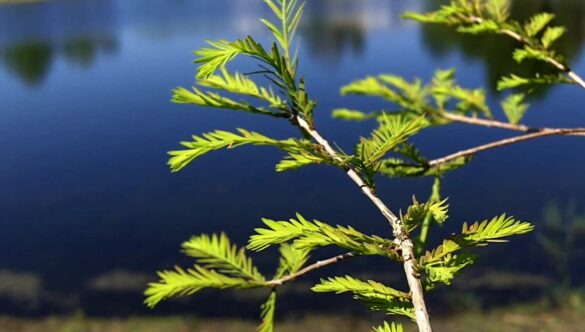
{"x":529,"y":53}
{"x":537,"y":23}
{"x":552,"y":34}
{"x":443,"y":80}
{"x":515,"y":81}
{"x":375,"y":295}
{"x":494,"y":230}
{"x":389,"y":305}
{"x":291,"y":260}
{"x":372,"y":87}
{"x":512,"y":81}
{"x":289,"y":14}
{"x":302,"y":103}
{"x":486,"y":26}
{"x":444,"y":272}
{"x":223,"y":139}
{"x":498,"y":10}
{"x":477,"y":235}
{"x":417,"y":212}
{"x":393,"y":167}
{"x":410,"y":151}
{"x":218,"y":55}
{"x":241,"y":84}
{"x":267,"y":314}
{"x":389,"y":328}
{"x":450,"y":14}
{"x":438,"y":254}
{"x":392,"y":132}
{"x":349,"y":284}
{"x":181,"y":282}
{"x":279,"y":69}
{"x":215,"y":252}
{"x":221,"y":52}
{"x":352,"y":115}
{"x":515,"y":108}
{"x":470,"y":101}
{"x":308,"y":235}
{"x":302,"y":158}
{"x":395,"y":89}
{"x":211,"y":99}
{"x":280,"y":232}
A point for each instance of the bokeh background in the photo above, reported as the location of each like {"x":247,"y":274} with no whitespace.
{"x":89,"y":210}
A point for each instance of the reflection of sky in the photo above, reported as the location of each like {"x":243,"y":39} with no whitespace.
{"x":83,"y":173}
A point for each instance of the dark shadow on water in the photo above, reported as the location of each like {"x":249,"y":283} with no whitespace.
{"x":29,"y":61}
{"x":34,"y":37}
{"x":83,"y":50}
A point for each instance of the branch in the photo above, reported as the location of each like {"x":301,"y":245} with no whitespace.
{"x":310,"y":268}
{"x":399,"y":231}
{"x":570,"y":73}
{"x":505,"y":142}
{"x":504,"y":125}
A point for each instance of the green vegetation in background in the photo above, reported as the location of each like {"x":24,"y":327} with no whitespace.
{"x":509,"y":319}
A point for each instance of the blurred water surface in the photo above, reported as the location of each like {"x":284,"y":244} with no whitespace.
{"x":85,"y":123}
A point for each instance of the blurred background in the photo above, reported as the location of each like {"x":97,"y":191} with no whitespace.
{"x":89,"y":210}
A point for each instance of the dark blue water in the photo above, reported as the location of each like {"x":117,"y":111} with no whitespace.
{"x":86,"y":122}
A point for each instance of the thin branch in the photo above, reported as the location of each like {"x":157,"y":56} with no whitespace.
{"x":514,"y":35}
{"x":310,"y":268}
{"x":401,"y":235}
{"x":505,"y":142}
{"x":504,"y":125}
{"x":485,"y":122}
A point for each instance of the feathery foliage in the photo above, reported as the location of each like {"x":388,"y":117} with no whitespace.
{"x":417,"y":212}
{"x":212,"y":99}
{"x":301,"y":152}
{"x":392,"y":132}
{"x":267,"y":313}
{"x":389,"y":328}
{"x":353,"y":115}
{"x":308,"y":235}
{"x":514,"y":81}
{"x":349,"y":284}
{"x":444,"y":272}
{"x":375,"y":295}
{"x":289,"y":14}
{"x":515,"y":108}
{"x":220,"y":265}
{"x":291,"y":260}
{"x":242,"y":84}
{"x":181,"y":282}
{"x":494,"y":230}
{"x":217,"y":253}
{"x":442,"y":264}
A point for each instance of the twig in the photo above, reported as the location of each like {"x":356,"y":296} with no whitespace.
{"x":504,"y":142}
{"x":404,"y":242}
{"x":310,"y":268}
{"x":572,"y":75}
{"x":503,"y":125}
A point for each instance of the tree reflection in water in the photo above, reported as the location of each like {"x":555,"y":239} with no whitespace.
{"x":33,"y":37}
